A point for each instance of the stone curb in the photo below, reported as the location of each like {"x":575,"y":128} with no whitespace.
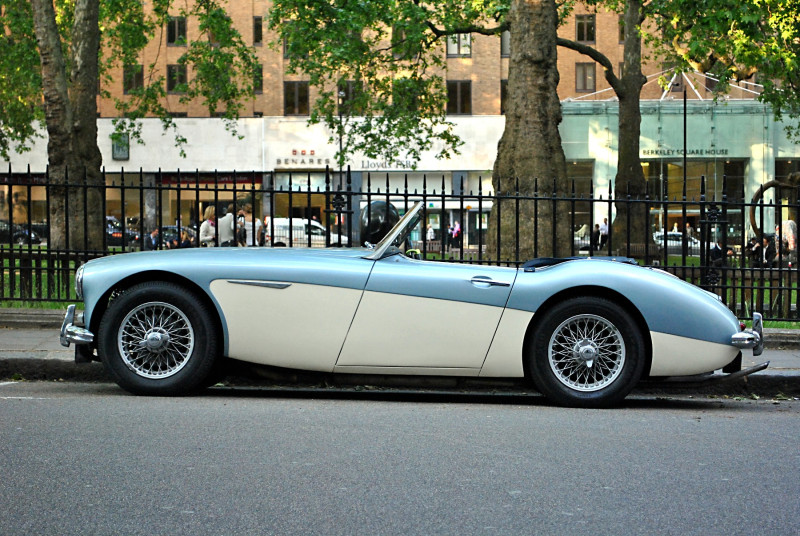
{"x":52,"y":318}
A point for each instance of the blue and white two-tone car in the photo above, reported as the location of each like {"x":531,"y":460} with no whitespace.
{"x":584,"y":331}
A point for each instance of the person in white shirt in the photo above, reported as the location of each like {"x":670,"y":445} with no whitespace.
{"x":226,"y":225}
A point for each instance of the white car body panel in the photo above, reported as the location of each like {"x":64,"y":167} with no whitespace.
{"x":276,"y":327}
{"x":393,"y":330}
{"x":506,"y":356}
{"x":677,"y":356}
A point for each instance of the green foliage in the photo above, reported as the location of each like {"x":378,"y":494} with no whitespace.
{"x":20,"y":77}
{"x":736,"y":41}
{"x":222,"y":71}
{"x":394,"y":52}
{"x":222,"y":66}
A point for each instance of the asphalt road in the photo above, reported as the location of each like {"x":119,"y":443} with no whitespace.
{"x":88,"y":459}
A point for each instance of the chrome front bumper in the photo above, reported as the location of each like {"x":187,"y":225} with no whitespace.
{"x":751,"y":338}
{"x":71,"y":332}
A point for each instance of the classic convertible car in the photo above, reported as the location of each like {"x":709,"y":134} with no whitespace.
{"x":584,"y":331}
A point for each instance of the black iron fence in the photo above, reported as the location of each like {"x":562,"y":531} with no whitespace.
{"x":744,"y":251}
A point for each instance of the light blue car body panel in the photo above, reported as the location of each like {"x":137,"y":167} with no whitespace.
{"x":667,"y":304}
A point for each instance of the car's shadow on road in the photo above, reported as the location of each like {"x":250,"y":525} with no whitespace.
{"x":517,"y":398}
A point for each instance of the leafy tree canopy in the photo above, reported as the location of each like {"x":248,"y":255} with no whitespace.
{"x":392,"y":54}
{"x":734,"y":41}
{"x":222,"y":66}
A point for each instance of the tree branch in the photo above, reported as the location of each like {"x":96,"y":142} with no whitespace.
{"x":600,"y":58}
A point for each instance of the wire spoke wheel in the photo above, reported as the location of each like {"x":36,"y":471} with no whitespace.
{"x":586,"y":352}
{"x":155,"y":340}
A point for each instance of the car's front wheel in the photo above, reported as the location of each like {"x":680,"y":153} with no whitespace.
{"x":586,"y":352}
{"x":158,"y":339}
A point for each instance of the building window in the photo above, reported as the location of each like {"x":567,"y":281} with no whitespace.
{"x":459,"y":97}
{"x":459,"y":46}
{"x":585,"y":25}
{"x":348,"y":93}
{"x":621,"y":69}
{"x":503,"y":96}
{"x":258,"y":31}
{"x":584,"y":77}
{"x":621,"y":29}
{"x":295,"y":98}
{"x":132,"y":78}
{"x":176,"y":31}
{"x":176,"y":79}
{"x":258,"y":79}
{"x":505,"y":44}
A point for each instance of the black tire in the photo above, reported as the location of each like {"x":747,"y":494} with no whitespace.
{"x":158,"y":339}
{"x":586,"y":352}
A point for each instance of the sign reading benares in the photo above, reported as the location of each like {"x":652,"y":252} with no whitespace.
{"x":303,"y":157}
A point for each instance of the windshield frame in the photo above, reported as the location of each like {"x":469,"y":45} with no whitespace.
{"x":405,"y":225}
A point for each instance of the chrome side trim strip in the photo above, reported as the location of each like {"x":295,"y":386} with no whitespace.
{"x":266,"y":284}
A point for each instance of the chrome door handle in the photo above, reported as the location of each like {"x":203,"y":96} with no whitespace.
{"x":479,"y":280}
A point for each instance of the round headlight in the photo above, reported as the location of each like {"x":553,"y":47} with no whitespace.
{"x":79,"y":283}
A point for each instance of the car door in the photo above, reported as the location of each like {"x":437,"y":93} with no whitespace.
{"x":426,"y":317}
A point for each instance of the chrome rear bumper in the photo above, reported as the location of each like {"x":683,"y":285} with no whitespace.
{"x":71,"y":332}
{"x":751,"y":338}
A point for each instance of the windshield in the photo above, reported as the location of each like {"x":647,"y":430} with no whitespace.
{"x":399,"y":233}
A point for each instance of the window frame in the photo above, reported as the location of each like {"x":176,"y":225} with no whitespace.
{"x":173,"y":80}
{"x":258,"y":31}
{"x":175,"y":25}
{"x":454,"y":107}
{"x":295,"y":88}
{"x":505,"y":44}
{"x":131,"y":81}
{"x":583,"y":24}
{"x":587,"y":67}
{"x":461,"y":45}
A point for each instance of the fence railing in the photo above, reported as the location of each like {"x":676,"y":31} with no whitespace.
{"x":708,"y":240}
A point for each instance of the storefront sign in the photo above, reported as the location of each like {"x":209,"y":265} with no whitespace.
{"x":303,"y":157}
{"x":679,"y":152}
{"x":387,"y":164}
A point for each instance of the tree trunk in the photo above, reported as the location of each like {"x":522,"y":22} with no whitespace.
{"x":71,"y":117}
{"x":58,"y":116}
{"x":83,"y":97}
{"x":630,"y":181}
{"x":530,"y":148}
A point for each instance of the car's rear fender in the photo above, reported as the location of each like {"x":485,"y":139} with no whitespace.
{"x":589,"y":291}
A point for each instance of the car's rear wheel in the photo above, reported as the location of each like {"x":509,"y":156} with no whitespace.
{"x":586,"y":352}
{"x":158,"y":339}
